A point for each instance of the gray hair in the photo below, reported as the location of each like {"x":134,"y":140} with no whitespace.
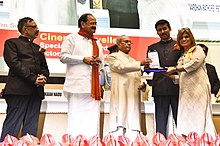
{"x":118,"y":39}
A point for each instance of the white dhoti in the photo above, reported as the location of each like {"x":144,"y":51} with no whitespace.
{"x":83,"y":115}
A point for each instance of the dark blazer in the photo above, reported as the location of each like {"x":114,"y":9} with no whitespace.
{"x":25,"y":63}
{"x":161,"y":84}
{"x":213,"y":78}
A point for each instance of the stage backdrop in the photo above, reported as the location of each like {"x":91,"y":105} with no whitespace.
{"x":58,"y":18}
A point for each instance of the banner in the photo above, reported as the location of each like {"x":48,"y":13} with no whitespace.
{"x":52,"y":41}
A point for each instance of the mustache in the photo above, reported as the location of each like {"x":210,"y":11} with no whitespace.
{"x":93,"y":27}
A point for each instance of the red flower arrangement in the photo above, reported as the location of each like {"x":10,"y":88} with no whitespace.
{"x":192,"y":139}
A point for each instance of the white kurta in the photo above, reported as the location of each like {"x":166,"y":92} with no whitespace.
{"x":125,"y":97}
{"x":194,"y":112}
{"x":83,"y":110}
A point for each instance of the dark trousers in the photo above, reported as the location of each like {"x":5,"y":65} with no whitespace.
{"x":162,"y":106}
{"x":21,"y":110}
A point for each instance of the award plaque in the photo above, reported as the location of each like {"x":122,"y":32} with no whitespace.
{"x":155,"y":64}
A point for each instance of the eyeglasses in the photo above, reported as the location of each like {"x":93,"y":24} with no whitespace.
{"x":34,"y":26}
{"x":127,"y":41}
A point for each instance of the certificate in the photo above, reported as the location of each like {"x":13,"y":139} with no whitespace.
{"x":155,"y":64}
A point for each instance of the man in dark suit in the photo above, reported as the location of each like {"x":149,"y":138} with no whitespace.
{"x":164,"y":91}
{"x":28,"y":73}
{"x":212,"y":74}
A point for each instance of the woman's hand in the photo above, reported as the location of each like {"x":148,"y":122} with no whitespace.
{"x":171,"y":70}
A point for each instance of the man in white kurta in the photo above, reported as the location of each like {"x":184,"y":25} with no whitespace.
{"x":125,"y":99}
{"x":77,"y":54}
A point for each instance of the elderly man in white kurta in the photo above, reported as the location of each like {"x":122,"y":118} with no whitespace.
{"x":125,"y":99}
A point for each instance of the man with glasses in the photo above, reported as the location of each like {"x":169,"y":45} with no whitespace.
{"x":82,"y":53}
{"x":28,"y":73}
{"x":125,"y":101}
